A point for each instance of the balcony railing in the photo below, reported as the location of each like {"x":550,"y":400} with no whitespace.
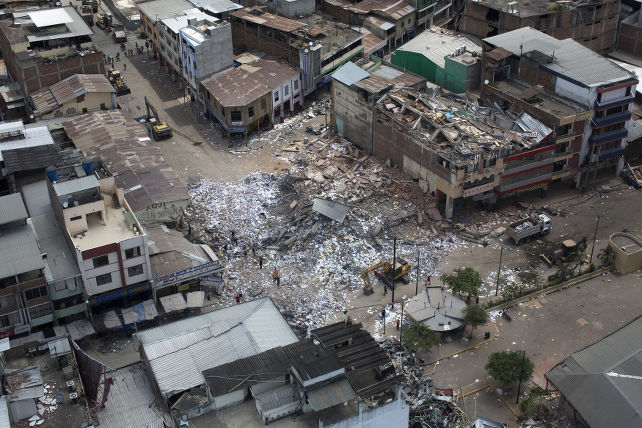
{"x":612,"y":103}
{"x":610,"y":119}
{"x":613,"y":135}
{"x":608,"y":154}
{"x":517,"y":184}
{"x":72,"y":310}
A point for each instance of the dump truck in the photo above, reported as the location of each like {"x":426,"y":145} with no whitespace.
{"x":386,"y":274}
{"x":157,"y":128}
{"x":118,"y":83}
{"x":525,"y":229}
{"x":120,"y":36}
{"x":87,"y":15}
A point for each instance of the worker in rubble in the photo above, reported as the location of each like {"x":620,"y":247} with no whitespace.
{"x":260,"y":262}
{"x":238,"y":298}
{"x":275,"y":275}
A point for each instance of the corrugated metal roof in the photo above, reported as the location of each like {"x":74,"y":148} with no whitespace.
{"x":330,"y":395}
{"x":26,"y":383}
{"x":436,"y":46}
{"x":132,"y":401}
{"x":130,"y":156}
{"x":570,"y":58}
{"x":48,"y":99}
{"x":12,"y":208}
{"x":33,"y":136}
{"x":19,"y":251}
{"x":527,"y":123}
{"x":349,"y":73}
{"x":602,"y":381}
{"x":268,"y":19}
{"x":180,"y":351}
{"x":69,"y":187}
{"x":216,"y":6}
{"x":276,"y":398}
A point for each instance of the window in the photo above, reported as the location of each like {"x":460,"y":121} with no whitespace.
{"x":39,"y":311}
{"x":8,"y":281}
{"x":4,"y":321}
{"x":35,"y":293}
{"x":263,"y":104}
{"x":130,"y":253}
{"x":286,"y":90}
{"x":80,"y":98}
{"x":276,"y":96}
{"x":78,"y":217}
{"x":103,"y":279}
{"x":100,"y":261}
{"x":296,"y":85}
{"x":250,"y":111}
{"x":235,"y":116}
{"x":102,"y":106}
{"x":135,"y":270}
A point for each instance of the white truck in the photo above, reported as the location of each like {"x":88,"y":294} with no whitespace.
{"x":527,"y":228}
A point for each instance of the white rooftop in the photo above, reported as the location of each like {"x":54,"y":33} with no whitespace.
{"x":177,"y":22}
{"x":48,"y":17}
{"x":436,"y":46}
{"x":116,"y":229}
{"x":38,"y":136}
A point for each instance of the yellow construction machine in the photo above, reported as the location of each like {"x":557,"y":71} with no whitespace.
{"x":116,"y":80}
{"x":388,"y":275}
{"x":157,"y":128}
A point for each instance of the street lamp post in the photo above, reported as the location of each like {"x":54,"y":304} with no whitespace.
{"x":499,"y":269}
{"x":597,"y":223}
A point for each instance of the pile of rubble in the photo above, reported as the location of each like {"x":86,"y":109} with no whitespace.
{"x":429,"y":406}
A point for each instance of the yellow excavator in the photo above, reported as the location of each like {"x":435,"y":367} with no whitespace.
{"x":157,"y":128}
{"x":388,"y":275}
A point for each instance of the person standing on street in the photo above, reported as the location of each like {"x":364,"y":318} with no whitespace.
{"x":260,"y":262}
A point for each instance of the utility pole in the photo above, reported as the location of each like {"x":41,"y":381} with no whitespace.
{"x":394,"y":266}
{"x":383,"y":315}
{"x":401,"y":324}
{"x":499,"y":269}
{"x":417,"y":286}
{"x":521,"y":372}
{"x":597,"y":223}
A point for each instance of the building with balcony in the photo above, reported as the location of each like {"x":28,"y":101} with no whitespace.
{"x":205,"y":49}
{"x":449,"y":60}
{"x":594,"y":24}
{"x":44,"y":46}
{"x":579,"y":78}
{"x":24,"y":300}
{"x":257,"y":92}
{"x":169,"y":39}
{"x":108,"y":242}
{"x":64,"y":281}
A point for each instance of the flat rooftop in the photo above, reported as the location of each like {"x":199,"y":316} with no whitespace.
{"x":547,"y":102}
{"x":437,"y":309}
{"x":157,"y":10}
{"x":436,"y":45}
{"x":116,"y":229}
{"x":47,"y":24}
{"x":332,"y":35}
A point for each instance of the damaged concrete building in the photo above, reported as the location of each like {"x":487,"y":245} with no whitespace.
{"x":593,"y":23}
{"x":584,"y":98}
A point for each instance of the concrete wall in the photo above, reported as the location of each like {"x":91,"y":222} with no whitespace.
{"x":211,"y":56}
{"x":162,"y":212}
{"x":391,"y":415}
{"x":35,"y":75}
{"x":290,"y":9}
{"x":352,"y":115}
{"x":261,"y":107}
{"x":627,"y":262}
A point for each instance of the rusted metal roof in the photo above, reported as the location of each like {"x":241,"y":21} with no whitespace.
{"x":395,"y":9}
{"x":48,"y":99}
{"x":267,"y":19}
{"x":498,"y":54}
{"x":130,"y":155}
{"x":242,"y":85}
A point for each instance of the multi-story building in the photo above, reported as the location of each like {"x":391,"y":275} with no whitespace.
{"x":592,"y":23}
{"x":169,"y":39}
{"x":315,"y":45}
{"x":205,"y":49}
{"x":584,"y":81}
{"x":108,"y":242}
{"x":24,"y":301}
{"x":42,"y":47}
{"x":155,"y":11}
{"x":244,"y":97}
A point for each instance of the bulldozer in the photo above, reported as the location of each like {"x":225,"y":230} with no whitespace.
{"x":568,"y":251}
{"x":118,"y":83}
{"x":388,"y":275}
{"x":157,"y":128}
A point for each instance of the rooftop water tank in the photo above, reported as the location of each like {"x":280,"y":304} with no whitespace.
{"x":52,"y":173}
{"x":88,"y":166}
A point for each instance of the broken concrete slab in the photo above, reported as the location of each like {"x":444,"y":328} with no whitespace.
{"x":435,"y":214}
{"x":333,"y":210}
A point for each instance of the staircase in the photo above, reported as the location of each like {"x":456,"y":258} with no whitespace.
{"x":114,"y":198}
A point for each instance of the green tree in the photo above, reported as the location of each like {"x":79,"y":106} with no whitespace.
{"x":606,"y":256}
{"x":474,"y":316}
{"x":506,"y":367}
{"x":463,"y":280}
{"x":418,"y":337}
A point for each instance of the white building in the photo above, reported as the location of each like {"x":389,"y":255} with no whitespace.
{"x":169,"y":38}
{"x":206,"y":48}
{"x":109,"y":243}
